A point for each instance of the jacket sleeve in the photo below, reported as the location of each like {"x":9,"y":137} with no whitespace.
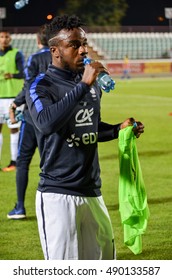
{"x":20,"y":98}
{"x":19,"y":66}
{"x":48,"y":116}
{"x":107,"y":132}
{"x":31,"y":69}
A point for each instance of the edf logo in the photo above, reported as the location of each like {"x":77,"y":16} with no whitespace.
{"x":86,"y":139}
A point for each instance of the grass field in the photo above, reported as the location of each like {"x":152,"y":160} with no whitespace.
{"x":148,"y":100}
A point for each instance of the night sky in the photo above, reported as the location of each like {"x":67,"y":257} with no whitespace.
{"x":145,"y":12}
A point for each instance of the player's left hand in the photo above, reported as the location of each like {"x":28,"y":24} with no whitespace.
{"x":138,"y":127}
{"x":8,"y":76}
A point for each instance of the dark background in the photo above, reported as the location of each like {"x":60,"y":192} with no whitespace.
{"x":140,"y":12}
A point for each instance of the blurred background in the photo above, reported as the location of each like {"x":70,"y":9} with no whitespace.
{"x":120,"y":32}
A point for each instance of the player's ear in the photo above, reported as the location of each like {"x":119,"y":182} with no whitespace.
{"x":54,"y":51}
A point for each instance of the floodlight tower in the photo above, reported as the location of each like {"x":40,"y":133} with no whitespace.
{"x":168,"y":15}
{"x":2,"y":15}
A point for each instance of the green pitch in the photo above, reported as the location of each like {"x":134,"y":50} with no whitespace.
{"x":148,"y":100}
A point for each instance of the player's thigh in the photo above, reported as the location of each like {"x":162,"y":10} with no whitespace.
{"x":104,"y":233}
{"x":56,"y":215}
{"x":59,"y":212}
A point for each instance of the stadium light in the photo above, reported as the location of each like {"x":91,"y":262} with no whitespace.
{"x":49,"y":17}
{"x":168,"y":15}
{"x":160,"y":18}
{"x":2,"y":15}
{"x":20,"y":4}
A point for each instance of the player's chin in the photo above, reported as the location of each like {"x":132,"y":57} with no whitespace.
{"x":80,"y":68}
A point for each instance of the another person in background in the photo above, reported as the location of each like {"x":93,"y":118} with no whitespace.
{"x":170,"y":53}
{"x":126,"y":68}
{"x":37,"y":63}
{"x":11,"y":82}
{"x":73,"y":220}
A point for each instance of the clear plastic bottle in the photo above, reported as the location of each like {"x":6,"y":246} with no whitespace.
{"x":103,"y":79}
{"x":18,"y":116}
{"x":20,"y":4}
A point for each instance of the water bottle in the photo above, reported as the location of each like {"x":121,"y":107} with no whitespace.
{"x":103,"y":79}
{"x":18,"y":116}
{"x":20,"y":4}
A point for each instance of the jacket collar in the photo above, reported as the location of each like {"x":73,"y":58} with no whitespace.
{"x":66,"y":74}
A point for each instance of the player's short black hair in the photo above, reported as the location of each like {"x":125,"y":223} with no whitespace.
{"x":42,"y":35}
{"x":63,"y":22}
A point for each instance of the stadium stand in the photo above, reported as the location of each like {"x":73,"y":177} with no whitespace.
{"x":26,"y":42}
{"x":112,"y":46}
{"x":139,"y":45}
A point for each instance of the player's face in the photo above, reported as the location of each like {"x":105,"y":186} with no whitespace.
{"x":71,"y":49}
{"x":5,"y":40}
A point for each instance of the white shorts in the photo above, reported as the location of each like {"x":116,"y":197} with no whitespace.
{"x":74,"y":227}
{"x":4,"y":110}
